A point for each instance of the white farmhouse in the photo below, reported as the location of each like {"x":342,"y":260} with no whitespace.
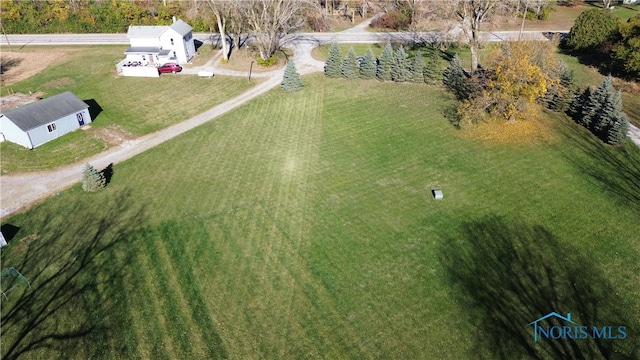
{"x":157,"y":45}
{"x":35,"y":124}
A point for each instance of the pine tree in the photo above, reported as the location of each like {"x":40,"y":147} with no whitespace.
{"x":576,"y":108}
{"x":618,"y":130}
{"x":385,"y":63}
{"x":559,"y":96}
{"x":400,"y":67}
{"x":432,"y":72}
{"x":601,"y":112}
{"x":291,"y":80}
{"x":333,"y":66}
{"x":350,"y":65}
{"x":368,"y":66}
{"x":417,"y":69}
{"x":92,"y":179}
{"x":455,"y":78}
{"x":595,"y":103}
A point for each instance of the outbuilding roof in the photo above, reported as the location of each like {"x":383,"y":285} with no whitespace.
{"x":46,"y":111}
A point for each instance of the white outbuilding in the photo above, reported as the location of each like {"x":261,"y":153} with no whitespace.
{"x":37,"y":123}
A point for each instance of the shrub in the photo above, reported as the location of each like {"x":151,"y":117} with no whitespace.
{"x":350,"y":65}
{"x":333,"y":66}
{"x":368,"y":66}
{"x":291,"y":80}
{"x":92,"y":179}
{"x":591,"y":29}
{"x":268,"y":62}
{"x":393,"y":20}
{"x":627,"y":51}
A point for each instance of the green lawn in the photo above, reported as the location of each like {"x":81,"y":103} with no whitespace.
{"x":301,"y":225}
{"x":135,"y":106}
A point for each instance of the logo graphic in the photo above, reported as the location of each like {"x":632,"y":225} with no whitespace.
{"x":571,"y":330}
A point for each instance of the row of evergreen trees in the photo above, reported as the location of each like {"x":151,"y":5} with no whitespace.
{"x":600,"y":111}
{"x":391,"y":66}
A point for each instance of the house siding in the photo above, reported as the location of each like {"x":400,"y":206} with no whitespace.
{"x":64,"y":125}
{"x":13,"y":133}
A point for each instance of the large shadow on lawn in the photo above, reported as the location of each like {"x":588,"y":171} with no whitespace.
{"x":74,"y":267}
{"x":616,"y":168}
{"x":509,"y":274}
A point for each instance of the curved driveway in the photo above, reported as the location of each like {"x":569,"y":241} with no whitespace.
{"x":18,"y":191}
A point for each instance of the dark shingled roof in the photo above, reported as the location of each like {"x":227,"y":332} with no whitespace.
{"x":46,"y":111}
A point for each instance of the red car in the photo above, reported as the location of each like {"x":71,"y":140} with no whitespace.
{"x":169,"y":68}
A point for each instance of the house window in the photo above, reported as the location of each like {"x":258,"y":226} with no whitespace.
{"x":171,"y":41}
{"x":51,"y":127}
{"x":144,"y":58}
{"x":174,"y":54}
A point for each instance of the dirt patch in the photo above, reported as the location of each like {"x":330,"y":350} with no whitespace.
{"x":17,"y":66}
{"x":112,"y":134}
{"x":17,"y":100}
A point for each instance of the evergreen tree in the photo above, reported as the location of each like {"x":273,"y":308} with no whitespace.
{"x":455,"y":78}
{"x":559,"y":95}
{"x":368,"y":66}
{"x":417,"y":69}
{"x":601,"y":112}
{"x":432,"y":73}
{"x":385,"y":63}
{"x":593,"y":104}
{"x":350,"y":65}
{"x":618,"y":130}
{"x":291,"y":80}
{"x":92,"y":179}
{"x":333,"y":66}
{"x":577,"y":105}
{"x":400,"y":67}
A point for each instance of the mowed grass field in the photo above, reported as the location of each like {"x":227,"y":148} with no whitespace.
{"x":129,"y":107}
{"x":302,"y":225}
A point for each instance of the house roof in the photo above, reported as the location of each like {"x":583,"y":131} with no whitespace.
{"x":46,"y":111}
{"x":181,"y":27}
{"x":154,"y":32}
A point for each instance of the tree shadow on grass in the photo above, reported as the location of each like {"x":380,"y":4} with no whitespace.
{"x":71,"y":265}
{"x":107,"y":172}
{"x":616,"y":168}
{"x":509,"y":274}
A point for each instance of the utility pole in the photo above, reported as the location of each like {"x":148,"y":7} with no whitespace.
{"x":524,"y":17}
